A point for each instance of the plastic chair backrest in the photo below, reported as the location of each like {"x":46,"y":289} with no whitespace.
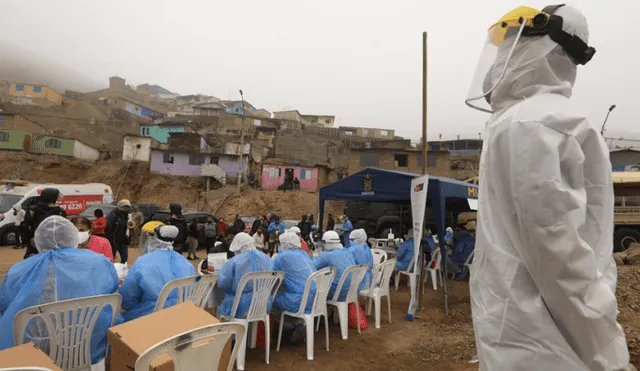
{"x":199,"y":269}
{"x":26,"y":369}
{"x":437,"y":258}
{"x":385,"y":274}
{"x":195,"y":289}
{"x":379,"y":256}
{"x":468,"y":261}
{"x":381,"y":244}
{"x":189,"y":350}
{"x":412,"y":262}
{"x":265,"y":285}
{"x":357,"y":273}
{"x":69,"y":325}
{"x":322,"y":280}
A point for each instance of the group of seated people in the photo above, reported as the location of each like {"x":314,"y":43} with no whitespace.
{"x":62,"y":271}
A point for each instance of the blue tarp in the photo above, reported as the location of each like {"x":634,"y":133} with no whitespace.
{"x":373,"y":184}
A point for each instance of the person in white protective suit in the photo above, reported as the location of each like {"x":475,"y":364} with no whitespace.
{"x":543,"y":278}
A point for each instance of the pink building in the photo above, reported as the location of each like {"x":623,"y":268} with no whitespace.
{"x":274,"y":176}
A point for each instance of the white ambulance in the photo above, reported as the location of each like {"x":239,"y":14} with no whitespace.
{"x":74,"y":198}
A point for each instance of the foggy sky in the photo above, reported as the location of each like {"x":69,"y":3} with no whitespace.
{"x":359,"y":60}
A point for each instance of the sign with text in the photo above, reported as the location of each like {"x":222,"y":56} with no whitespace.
{"x":419,"y":187}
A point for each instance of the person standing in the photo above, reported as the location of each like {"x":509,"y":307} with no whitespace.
{"x":178,"y":220}
{"x":331,"y":224}
{"x":238,"y":224}
{"x":138,"y":220}
{"x":22,"y":230}
{"x":210,"y":233}
{"x":258,"y":238}
{"x":86,"y":240}
{"x":44,"y":207}
{"x":117,"y":230}
{"x":275,"y":228}
{"x":192,"y":239}
{"x":346,"y":230}
{"x":543,"y":277}
{"x":99,"y":225}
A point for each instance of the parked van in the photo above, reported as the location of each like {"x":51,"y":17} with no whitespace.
{"x":74,"y":198}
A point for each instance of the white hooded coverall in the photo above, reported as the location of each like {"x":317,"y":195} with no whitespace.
{"x":543,"y":278}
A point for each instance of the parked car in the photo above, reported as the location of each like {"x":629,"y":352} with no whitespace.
{"x":290,"y":223}
{"x":189,"y":215}
{"x":248,"y":222}
{"x":148,"y":210}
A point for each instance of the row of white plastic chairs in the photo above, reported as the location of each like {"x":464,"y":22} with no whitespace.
{"x":433,"y":270}
{"x":66,"y":340}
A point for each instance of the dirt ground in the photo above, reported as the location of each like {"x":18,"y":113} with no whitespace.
{"x":430,"y":343}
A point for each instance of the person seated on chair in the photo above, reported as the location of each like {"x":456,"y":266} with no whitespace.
{"x":246,"y":260}
{"x":405,"y":253}
{"x":339,"y":258}
{"x":464,"y":244}
{"x":58,"y":272}
{"x":362,"y":255}
{"x":297,"y":266}
{"x":148,"y":275}
{"x":431,"y":243}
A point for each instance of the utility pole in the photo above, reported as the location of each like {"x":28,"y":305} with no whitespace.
{"x":613,"y":106}
{"x":424,"y":103}
{"x":241,"y":149}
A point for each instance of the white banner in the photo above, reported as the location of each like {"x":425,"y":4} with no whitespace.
{"x":419,"y":187}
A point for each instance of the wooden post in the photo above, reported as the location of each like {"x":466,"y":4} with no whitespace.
{"x":424,"y":103}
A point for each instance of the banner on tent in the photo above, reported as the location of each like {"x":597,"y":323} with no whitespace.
{"x":419,"y":188}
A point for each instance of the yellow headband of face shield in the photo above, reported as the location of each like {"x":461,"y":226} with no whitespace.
{"x":150,"y":227}
{"x":511,"y":21}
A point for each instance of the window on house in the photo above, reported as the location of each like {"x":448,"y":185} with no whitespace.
{"x":327,"y":121}
{"x":401,"y":160}
{"x":145,"y":131}
{"x":369,"y":159}
{"x":1,"y":121}
{"x":4,"y":137}
{"x":167,"y":158}
{"x":53,"y":143}
{"x":37,"y":89}
{"x":214,"y":160}
{"x":19,"y":87}
{"x":138,"y":146}
{"x":196,"y":160}
{"x":432,"y":161}
{"x":365,"y":132}
{"x":348,"y":133}
{"x":384,"y":133}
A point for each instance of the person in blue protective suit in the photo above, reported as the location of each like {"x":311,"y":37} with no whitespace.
{"x":59,"y":272}
{"x":297,"y":266}
{"x":464,"y":244}
{"x":148,"y":275}
{"x":246,"y":260}
{"x":362,"y":255}
{"x":347,"y":227}
{"x":431,"y":243}
{"x":339,"y":258}
{"x":405,"y":252}
{"x":448,"y":237}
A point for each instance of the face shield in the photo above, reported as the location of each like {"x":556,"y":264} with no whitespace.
{"x":509,"y":47}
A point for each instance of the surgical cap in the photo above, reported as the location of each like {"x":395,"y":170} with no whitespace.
{"x":449,"y":230}
{"x":289,"y":240}
{"x":242,"y":242}
{"x":56,"y":232}
{"x":294,"y":230}
{"x":358,"y":236}
{"x":157,"y":241}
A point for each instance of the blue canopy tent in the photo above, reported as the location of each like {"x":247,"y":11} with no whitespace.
{"x":373,"y":184}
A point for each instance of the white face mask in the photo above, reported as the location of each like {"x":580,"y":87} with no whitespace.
{"x":83,"y":237}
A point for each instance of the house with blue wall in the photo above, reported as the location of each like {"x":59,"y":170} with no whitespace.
{"x":138,"y":109}
{"x":160,"y":132}
{"x":235,"y":107}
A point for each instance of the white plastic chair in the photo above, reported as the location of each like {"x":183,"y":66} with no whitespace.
{"x":379,"y":288}
{"x":408,"y":273}
{"x":379,"y":256}
{"x":189,"y":351}
{"x":467,"y":264}
{"x":26,"y":369}
{"x":357,"y":273}
{"x":69,"y":325}
{"x":265,"y":286}
{"x":433,"y":270}
{"x":382,"y":243}
{"x":322,"y":280}
{"x":195,"y":289}
{"x":199,"y":269}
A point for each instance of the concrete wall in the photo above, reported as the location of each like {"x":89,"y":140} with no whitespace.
{"x":35,"y":91}
{"x":39,"y":145}
{"x":14,"y":140}
{"x":273,"y":176}
{"x":136,"y":149}
{"x":84,"y":152}
{"x":368,"y":132}
{"x":288,"y":115}
{"x":17,"y":122}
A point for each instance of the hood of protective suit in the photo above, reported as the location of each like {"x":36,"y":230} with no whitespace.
{"x":289,"y":240}
{"x":331,"y":240}
{"x":242,"y":242}
{"x":538,"y":65}
{"x":164,"y":239}
{"x":55,"y":232}
{"x":359,"y":236}
{"x":49,"y":196}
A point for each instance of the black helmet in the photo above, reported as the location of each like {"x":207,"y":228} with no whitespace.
{"x":175,"y":209}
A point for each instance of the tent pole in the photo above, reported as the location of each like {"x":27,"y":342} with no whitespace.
{"x":424,"y":158}
{"x":320,"y":214}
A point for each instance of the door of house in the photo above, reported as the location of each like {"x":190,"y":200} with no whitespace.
{"x":288,"y":175}
{"x":26,"y":143}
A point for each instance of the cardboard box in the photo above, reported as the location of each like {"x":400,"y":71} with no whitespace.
{"x":26,"y":355}
{"x":133,"y":338}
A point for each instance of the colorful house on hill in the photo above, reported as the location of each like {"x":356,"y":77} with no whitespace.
{"x":160,"y":132}
{"x":49,"y":145}
{"x":15,"y":140}
{"x":138,"y":109}
{"x":35,"y":91}
{"x":276,"y":173}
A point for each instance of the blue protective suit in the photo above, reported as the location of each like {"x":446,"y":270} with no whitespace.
{"x":465,"y":243}
{"x":346,"y":230}
{"x":276,"y":226}
{"x":404,"y":255}
{"x":147,"y":277}
{"x":231,"y":274}
{"x":431,"y":243}
{"x":297,"y":267}
{"x":340,"y":259}
{"x":362,"y":255}
{"x":56,"y":275}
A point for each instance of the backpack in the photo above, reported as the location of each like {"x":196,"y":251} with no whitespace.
{"x":210,"y":230}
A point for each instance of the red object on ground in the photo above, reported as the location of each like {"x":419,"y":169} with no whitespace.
{"x":353,"y":319}
{"x":261,"y":338}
